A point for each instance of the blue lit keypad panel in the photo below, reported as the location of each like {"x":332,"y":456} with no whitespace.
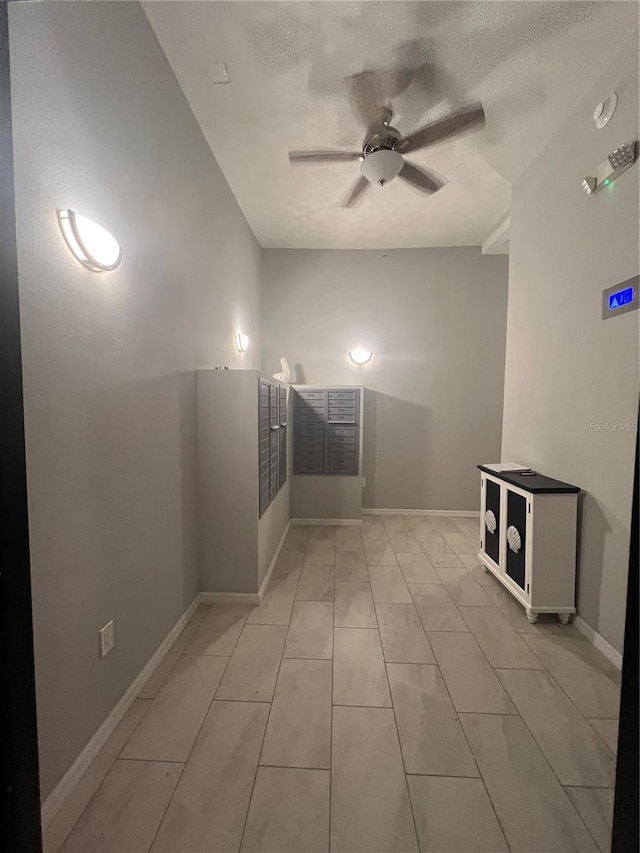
{"x":620,"y":298}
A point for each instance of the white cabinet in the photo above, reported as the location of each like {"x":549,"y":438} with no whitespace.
{"x":528,"y":529}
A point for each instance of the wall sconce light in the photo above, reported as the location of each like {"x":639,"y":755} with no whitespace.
{"x":359,"y":356}
{"x":89,"y":242}
{"x":242,"y":342}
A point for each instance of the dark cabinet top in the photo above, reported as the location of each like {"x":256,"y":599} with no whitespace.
{"x":536,"y":484}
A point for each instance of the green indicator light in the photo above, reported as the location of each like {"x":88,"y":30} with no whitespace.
{"x":607,"y":182}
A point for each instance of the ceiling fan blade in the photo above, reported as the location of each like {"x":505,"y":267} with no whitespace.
{"x":420,"y":178}
{"x":444,"y":128}
{"x":323,"y":155}
{"x":356,"y":192}
{"x":368,"y":96}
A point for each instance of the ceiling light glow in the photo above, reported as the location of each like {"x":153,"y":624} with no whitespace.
{"x":359,"y":356}
{"x":90,"y":243}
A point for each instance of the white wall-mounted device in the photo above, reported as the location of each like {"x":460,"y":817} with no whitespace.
{"x":610,"y":169}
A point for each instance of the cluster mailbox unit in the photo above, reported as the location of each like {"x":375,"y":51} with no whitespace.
{"x":327,"y":454}
{"x":528,"y":528}
{"x":327,"y":434}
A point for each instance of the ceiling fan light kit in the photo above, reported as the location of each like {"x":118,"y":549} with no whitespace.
{"x":382,"y":166}
{"x":383,"y":151}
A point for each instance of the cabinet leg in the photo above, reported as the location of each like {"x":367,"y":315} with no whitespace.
{"x":564,"y":618}
{"x":532,"y":617}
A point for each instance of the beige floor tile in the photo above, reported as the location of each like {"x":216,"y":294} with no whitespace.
{"x":595,"y":807}
{"x":299,"y":730}
{"x":288,"y":565}
{"x":439,"y":561}
{"x":373,"y":529}
{"x":311,"y":630}
{"x":395,"y":523}
{"x":80,"y":797}
{"x":405,"y":543}
{"x":499,"y":640}
{"x":127,"y":809}
{"x":320,"y":552}
{"x":514,"y":612}
{"x":351,"y":567}
{"x":275,"y":607}
{"x":461,"y":587}
{"x":608,"y":731}
{"x":289,"y":812}
{"x":348,"y":539}
{"x":218,"y":632}
{"x":388,"y":585}
{"x":460,"y":543}
{"x":253,"y":667}
{"x":431,"y":737}
{"x":370,"y":808}
{"x":472,"y":683}
{"x":208,"y":810}
{"x":594,"y":693}
{"x":171,"y":724}
{"x":476,"y":569}
{"x":160,"y":673}
{"x":570,"y":745}
{"x":403,"y":637}
{"x":416,"y":568}
{"x":325,"y":532}
{"x":359,"y":675}
{"x":427,"y":533}
{"x":296,"y":539}
{"x":316,"y":583}
{"x":533,"y":809}
{"x":200,"y":612}
{"x":437,"y":610}
{"x":379,"y":553}
{"x":444,"y":522}
{"x":455,"y":816}
{"x":435,"y":548}
{"x":354,"y":606}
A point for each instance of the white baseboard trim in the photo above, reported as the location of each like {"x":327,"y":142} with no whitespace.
{"x":458,"y":513}
{"x":272,"y":564}
{"x":328,"y":522}
{"x":229,"y":598}
{"x":65,"y":786}
{"x":599,"y":642}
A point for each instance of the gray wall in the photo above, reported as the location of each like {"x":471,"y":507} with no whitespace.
{"x":102,"y":126}
{"x":435,"y":319}
{"x":566,"y":368}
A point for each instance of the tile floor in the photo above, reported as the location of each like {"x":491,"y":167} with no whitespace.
{"x":388,"y":695}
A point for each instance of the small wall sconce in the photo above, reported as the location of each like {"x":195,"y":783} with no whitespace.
{"x":242,"y":342}
{"x":89,"y":242}
{"x":359,"y":356}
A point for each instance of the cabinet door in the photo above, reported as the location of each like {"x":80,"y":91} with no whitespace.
{"x":517,"y":521}
{"x":492,"y":504}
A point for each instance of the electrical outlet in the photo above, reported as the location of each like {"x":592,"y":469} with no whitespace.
{"x":364,"y":482}
{"x":107,"y":640}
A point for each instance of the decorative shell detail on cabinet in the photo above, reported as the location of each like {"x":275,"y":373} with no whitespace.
{"x":513,"y":538}
{"x":490,"y":521}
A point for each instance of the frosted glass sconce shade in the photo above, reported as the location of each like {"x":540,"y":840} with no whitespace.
{"x":90,"y":243}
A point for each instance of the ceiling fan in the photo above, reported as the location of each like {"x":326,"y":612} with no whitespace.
{"x":382,"y":156}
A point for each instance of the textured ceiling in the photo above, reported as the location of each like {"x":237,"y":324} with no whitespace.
{"x":528,"y":62}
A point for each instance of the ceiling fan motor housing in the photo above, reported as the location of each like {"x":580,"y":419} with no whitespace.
{"x":382,"y":162}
